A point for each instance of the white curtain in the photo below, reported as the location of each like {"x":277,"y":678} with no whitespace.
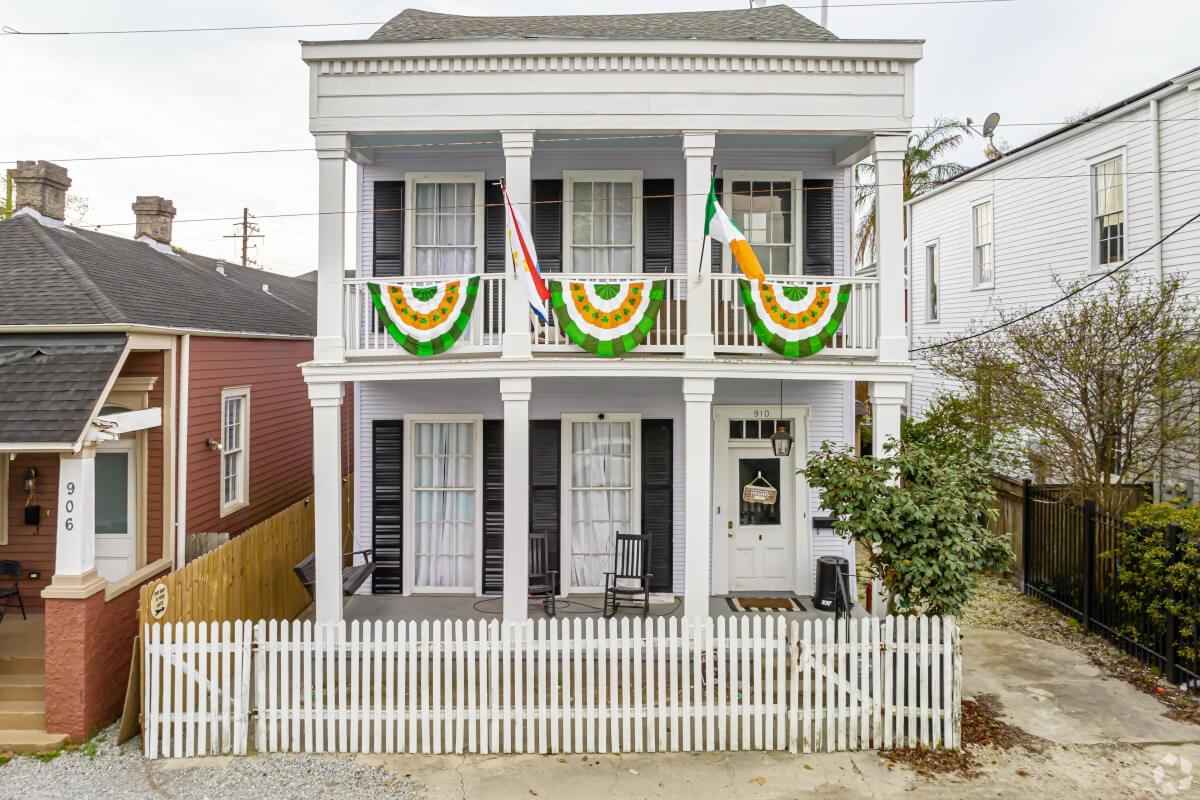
{"x":444,"y":495}
{"x":601,"y":496}
{"x":444,"y":224}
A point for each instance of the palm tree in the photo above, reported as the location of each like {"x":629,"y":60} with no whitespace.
{"x":923,"y":170}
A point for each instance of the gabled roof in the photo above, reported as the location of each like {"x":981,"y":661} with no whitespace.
{"x":50,"y":384}
{"x":771,"y":23}
{"x":53,"y":276}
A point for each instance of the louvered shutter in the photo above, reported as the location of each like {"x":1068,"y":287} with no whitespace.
{"x":657,"y":497}
{"x":545,"y":474}
{"x":387,"y":505}
{"x":546,"y":219}
{"x":718,"y":249}
{"x":388,"y":225}
{"x":658,"y":225}
{"x":495,"y":259}
{"x":818,"y":227}
{"x":493,"y":506}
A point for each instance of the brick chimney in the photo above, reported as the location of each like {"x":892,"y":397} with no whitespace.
{"x":154,"y":215}
{"x":41,"y":186}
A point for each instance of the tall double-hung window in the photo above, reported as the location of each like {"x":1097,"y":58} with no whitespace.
{"x":1108,"y":211}
{"x":932,"y":281}
{"x":603,"y":233}
{"x":447,"y":223}
{"x":235,"y":449}
{"x":981,"y":220}
{"x":445,"y":486}
{"x":765,"y":207}
{"x":601,"y":477}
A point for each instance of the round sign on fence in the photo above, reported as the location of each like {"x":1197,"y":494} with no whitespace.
{"x":158,"y":601}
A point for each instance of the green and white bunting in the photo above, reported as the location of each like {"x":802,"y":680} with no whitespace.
{"x":794,"y":320}
{"x":426,"y":319}
{"x":605,"y":317}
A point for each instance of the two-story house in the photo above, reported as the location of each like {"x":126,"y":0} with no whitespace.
{"x":607,"y":132}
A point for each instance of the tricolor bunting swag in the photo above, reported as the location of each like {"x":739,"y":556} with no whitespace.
{"x":794,"y":321}
{"x":719,"y":226}
{"x":606,"y":317}
{"x":426,"y":319}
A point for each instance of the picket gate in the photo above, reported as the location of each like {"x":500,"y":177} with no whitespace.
{"x":743,"y":682}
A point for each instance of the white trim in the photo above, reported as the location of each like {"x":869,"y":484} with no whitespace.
{"x":802,"y":554}
{"x":1121,"y":154}
{"x":936,"y":245}
{"x":408,"y":544}
{"x":181,"y":460}
{"x":796,"y":267}
{"x":975,"y":282}
{"x":4,"y":470}
{"x":135,"y":530}
{"x":570,"y":177}
{"x":564,"y":539}
{"x":411,"y":179}
{"x":243,"y":498}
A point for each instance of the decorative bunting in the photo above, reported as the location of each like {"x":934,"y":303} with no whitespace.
{"x":794,"y":321}
{"x":606,"y":317}
{"x":426,"y":319}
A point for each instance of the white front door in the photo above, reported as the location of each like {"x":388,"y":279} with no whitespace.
{"x":116,"y":510}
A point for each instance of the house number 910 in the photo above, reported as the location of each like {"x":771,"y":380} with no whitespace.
{"x":762,"y":413}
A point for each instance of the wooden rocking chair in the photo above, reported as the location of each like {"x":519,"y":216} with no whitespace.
{"x":543,"y":581}
{"x":629,"y":581}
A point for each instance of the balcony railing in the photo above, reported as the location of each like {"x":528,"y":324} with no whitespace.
{"x":731,"y":327}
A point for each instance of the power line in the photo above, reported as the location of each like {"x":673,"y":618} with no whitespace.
{"x":1066,"y":296}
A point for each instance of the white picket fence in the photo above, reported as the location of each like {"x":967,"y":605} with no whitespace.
{"x":746,"y":682}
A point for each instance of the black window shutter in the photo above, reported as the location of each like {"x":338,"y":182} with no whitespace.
{"x":493,"y":228}
{"x":545,"y":474}
{"x":547,"y":221}
{"x":493,"y":506}
{"x":718,"y":249}
{"x":818,"y":227}
{"x":658,"y":225}
{"x":387,"y":505}
{"x":657,"y":496}
{"x":388,"y":224}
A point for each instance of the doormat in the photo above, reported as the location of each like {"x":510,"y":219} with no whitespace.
{"x":776,"y":604}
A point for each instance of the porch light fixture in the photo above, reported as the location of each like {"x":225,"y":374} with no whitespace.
{"x":781,"y":439}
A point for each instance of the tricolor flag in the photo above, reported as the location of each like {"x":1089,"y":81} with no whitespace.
{"x":524,"y":258}
{"x":718,"y":225}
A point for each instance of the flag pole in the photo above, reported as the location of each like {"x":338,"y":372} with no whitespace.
{"x":711,"y":178}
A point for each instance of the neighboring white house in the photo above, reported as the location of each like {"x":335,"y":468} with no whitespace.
{"x":606,"y":131}
{"x":1071,"y":204}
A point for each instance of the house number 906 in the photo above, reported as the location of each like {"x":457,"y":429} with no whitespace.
{"x":69,"y":507}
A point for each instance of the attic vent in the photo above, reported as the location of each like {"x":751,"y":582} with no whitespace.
{"x":221,"y":269}
{"x":266,"y":288}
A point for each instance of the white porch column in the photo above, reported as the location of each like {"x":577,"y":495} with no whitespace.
{"x":888,"y":151}
{"x":75,"y":538}
{"x":518,"y":160}
{"x":332,"y":150}
{"x":515,"y":394}
{"x":697,"y":494}
{"x":887,"y":397}
{"x":697,"y":155}
{"x":326,"y":399}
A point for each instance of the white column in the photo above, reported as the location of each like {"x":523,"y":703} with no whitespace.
{"x":697,"y":453}
{"x":326,"y":399}
{"x":515,"y":394}
{"x":331,"y":245}
{"x":75,"y":538}
{"x":887,"y":397}
{"x":697,"y":155}
{"x":518,"y":160}
{"x":888,"y":152}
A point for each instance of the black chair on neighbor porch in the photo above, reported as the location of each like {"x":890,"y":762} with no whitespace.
{"x":543,"y":581}
{"x":628,"y":584}
{"x":10,"y":587}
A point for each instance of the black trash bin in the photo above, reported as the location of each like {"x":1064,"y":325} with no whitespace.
{"x":833,"y":571}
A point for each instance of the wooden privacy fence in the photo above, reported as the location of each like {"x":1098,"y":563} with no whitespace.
{"x":554,"y":686}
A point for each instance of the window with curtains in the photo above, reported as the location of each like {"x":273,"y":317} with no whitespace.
{"x":765,"y":210}
{"x":600,"y":495}
{"x":1108,"y":211}
{"x":444,"y":503}
{"x":446,"y":224}
{"x":932,"y":278}
{"x":235,"y":418}
{"x":605,"y":221}
{"x":982,"y":244}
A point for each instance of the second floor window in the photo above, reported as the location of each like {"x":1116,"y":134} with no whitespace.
{"x":765,"y":210}
{"x":445,"y":220}
{"x":1108,"y":211}
{"x":931,"y":283}
{"x":235,"y":416}
{"x":982,"y":244}
{"x":604,"y":227}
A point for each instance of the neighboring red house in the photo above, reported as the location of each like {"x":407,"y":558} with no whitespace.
{"x":146,"y":395}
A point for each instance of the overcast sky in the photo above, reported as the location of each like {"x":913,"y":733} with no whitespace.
{"x":1034,"y":61}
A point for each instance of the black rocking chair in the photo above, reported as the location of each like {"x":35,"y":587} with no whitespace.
{"x":542,"y":580}
{"x":10,"y":587}
{"x":629,"y":581}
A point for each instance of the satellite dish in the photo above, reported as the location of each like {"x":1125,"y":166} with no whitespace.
{"x":989,"y":124}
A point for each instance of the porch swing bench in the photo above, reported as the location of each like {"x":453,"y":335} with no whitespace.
{"x":353,"y":576}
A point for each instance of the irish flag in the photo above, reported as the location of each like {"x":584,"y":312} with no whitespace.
{"x":523,"y":256}
{"x":718,"y":225}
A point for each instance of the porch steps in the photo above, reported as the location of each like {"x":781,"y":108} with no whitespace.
{"x":22,"y":665}
{"x":22,"y":687}
{"x":22,"y":715}
{"x":31,"y":741}
{"x":23,"y":707}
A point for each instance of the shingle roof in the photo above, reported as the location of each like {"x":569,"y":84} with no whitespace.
{"x":62,"y":275}
{"x":771,"y":23}
{"x":50,"y":384}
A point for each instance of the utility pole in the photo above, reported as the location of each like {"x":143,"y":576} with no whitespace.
{"x":249,"y":230}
